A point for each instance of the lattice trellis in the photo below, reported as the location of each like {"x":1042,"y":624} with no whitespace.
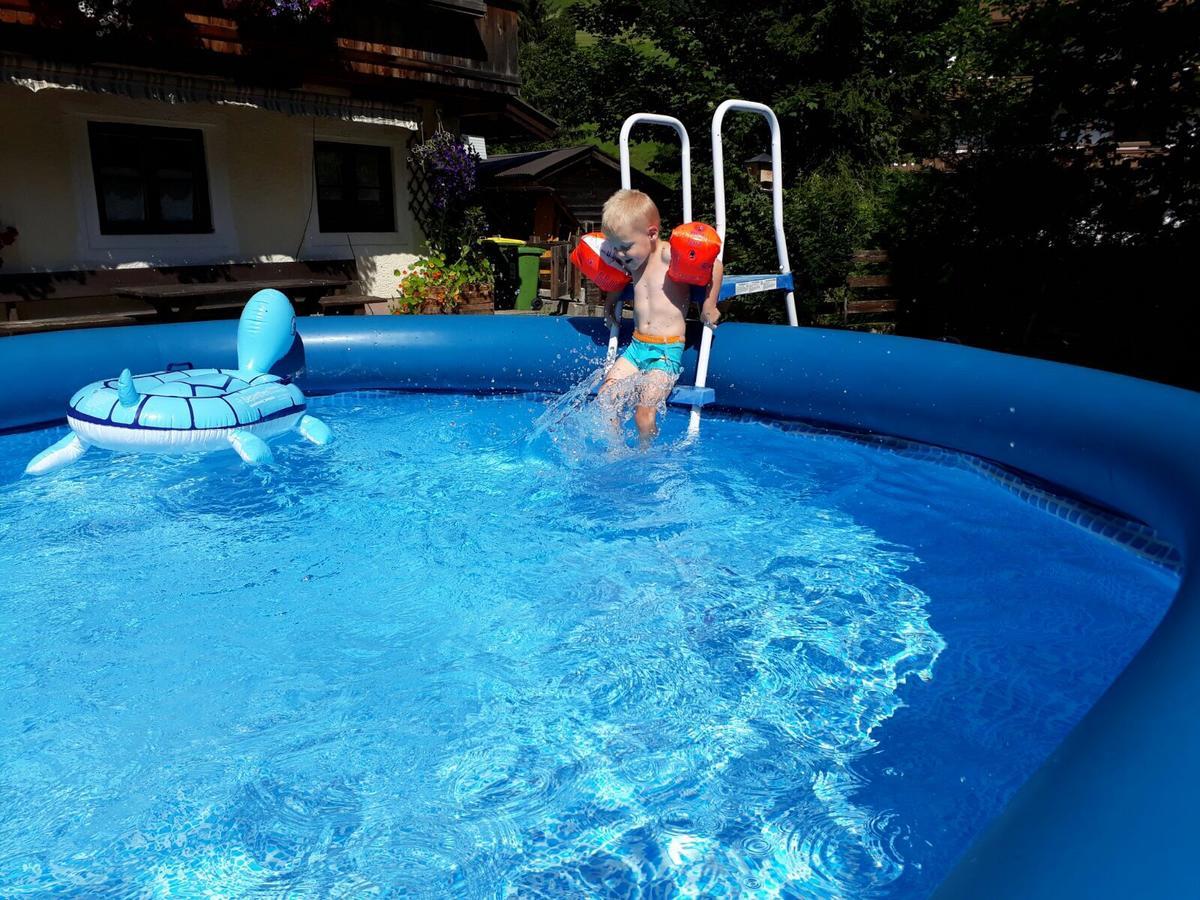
{"x":420,"y":196}
{"x":441,"y":226}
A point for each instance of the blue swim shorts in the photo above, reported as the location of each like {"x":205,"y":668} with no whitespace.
{"x":648,"y":352}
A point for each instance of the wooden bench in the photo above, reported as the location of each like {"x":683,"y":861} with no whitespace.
{"x":349,"y":305}
{"x":64,"y":323}
{"x":47,"y":301}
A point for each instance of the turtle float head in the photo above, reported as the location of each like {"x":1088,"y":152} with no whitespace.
{"x":265,"y":331}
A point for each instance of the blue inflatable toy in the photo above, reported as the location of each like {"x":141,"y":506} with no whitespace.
{"x":196,"y":409}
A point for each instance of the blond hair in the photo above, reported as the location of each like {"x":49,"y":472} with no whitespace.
{"x":628,"y":209}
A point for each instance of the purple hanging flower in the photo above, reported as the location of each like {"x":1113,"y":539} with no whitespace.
{"x":450,"y":169}
{"x":301,"y":11}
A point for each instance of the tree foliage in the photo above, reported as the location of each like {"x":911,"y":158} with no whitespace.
{"x":1066,"y":229}
{"x":849,"y":81}
{"x":988,"y":147}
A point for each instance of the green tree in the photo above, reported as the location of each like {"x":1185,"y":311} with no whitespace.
{"x":1035,"y":228}
{"x":1055,"y":235}
{"x":850,"y":82}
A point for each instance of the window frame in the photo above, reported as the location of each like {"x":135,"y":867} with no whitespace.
{"x":153,"y":223}
{"x":347,"y":220}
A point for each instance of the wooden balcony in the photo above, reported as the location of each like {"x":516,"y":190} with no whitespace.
{"x":425,"y":42}
{"x":462,"y":52}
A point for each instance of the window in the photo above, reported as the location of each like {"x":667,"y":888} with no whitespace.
{"x":149,"y":180}
{"x":354,"y":187}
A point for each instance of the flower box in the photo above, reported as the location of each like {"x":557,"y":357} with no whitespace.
{"x":476,"y":299}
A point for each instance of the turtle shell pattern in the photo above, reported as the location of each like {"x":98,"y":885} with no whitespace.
{"x":189,"y":400}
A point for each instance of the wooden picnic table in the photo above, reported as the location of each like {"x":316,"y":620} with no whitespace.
{"x":172,"y":300}
{"x":46,"y":301}
{"x":183,"y":299}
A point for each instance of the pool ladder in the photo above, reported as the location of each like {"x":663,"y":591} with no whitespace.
{"x":698,"y":395}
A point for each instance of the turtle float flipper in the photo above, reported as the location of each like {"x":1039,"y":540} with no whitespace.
{"x":314,"y":430}
{"x":250,"y":447}
{"x":254,"y":450}
{"x":57,"y":455}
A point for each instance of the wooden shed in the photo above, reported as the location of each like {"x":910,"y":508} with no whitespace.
{"x":548,"y":195}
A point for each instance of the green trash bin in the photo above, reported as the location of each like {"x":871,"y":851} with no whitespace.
{"x":502,"y":252}
{"x":528,"y":266}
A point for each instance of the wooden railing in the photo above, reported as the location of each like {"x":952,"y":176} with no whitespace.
{"x":870,"y":293}
{"x":564,"y":280}
{"x":559,"y":282}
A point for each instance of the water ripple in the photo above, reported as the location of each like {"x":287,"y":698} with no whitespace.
{"x":471,"y":649}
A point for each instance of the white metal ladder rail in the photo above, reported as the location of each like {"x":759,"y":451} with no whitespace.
{"x":736,"y":286}
{"x":785,"y":269}
{"x":627,"y":182}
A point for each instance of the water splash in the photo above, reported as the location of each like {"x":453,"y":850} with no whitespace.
{"x":586,"y":427}
{"x":560,"y":408}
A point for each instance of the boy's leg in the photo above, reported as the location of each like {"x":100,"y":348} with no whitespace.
{"x":621,"y":369}
{"x":653,"y":390}
{"x":646,"y":418}
{"x":616,"y":384}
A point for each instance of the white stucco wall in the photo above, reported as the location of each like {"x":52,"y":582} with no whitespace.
{"x":260,"y":187}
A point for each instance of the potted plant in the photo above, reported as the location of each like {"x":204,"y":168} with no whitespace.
{"x":282,"y":14}
{"x":148,"y":20}
{"x":286,"y":36}
{"x":473,"y":270}
{"x":476,"y":281}
{"x":425,"y":286}
{"x":454,"y":274}
{"x":433,"y":285}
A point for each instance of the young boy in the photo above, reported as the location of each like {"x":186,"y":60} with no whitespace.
{"x":631,"y":228}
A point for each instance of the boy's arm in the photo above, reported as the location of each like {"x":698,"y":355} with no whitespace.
{"x":610,"y":307}
{"x":709,"y":314}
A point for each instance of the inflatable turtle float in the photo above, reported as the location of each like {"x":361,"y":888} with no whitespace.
{"x":196,"y":409}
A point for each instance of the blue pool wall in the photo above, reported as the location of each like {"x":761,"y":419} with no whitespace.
{"x":1112,"y":811}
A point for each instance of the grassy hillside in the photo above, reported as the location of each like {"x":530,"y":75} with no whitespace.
{"x":642,"y":152}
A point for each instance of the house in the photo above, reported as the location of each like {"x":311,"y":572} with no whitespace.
{"x":549,"y":195}
{"x":148,"y":165}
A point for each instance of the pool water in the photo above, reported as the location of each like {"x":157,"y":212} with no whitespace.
{"x":470,"y":650}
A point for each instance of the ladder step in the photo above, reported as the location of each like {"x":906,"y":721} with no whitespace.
{"x":690,"y":395}
{"x":735,"y":286}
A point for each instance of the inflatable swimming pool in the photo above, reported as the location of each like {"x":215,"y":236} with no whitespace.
{"x":1110,"y":812}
